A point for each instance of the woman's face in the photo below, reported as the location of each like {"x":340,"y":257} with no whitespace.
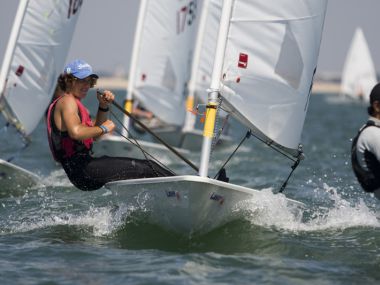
{"x":81,"y":86}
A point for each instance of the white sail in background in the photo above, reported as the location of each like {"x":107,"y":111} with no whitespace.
{"x":359,"y":75}
{"x":35,"y":56}
{"x":162,"y":66}
{"x":269,"y":63}
{"x":204,"y":55}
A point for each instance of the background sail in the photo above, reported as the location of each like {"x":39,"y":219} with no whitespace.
{"x":39,"y":56}
{"x":164,"y":60}
{"x":359,"y":75}
{"x":270,"y":60}
{"x":207,"y":49}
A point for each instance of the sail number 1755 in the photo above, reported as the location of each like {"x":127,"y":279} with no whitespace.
{"x":186,"y":16}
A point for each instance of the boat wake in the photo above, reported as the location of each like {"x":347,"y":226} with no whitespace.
{"x":103,"y":216}
{"x":271,"y":211}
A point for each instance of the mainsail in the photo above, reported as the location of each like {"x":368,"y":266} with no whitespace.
{"x":161,"y":60}
{"x":36,"y":52}
{"x":359,"y":75}
{"x":269,"y":64}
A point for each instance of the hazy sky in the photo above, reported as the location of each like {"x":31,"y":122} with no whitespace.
{"x":105,"y":29}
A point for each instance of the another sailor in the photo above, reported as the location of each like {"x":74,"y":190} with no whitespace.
{"x":71,"y":134}
{"x":365,"y":151}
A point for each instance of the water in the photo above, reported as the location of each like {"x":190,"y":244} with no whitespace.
{"x":57,"y":234}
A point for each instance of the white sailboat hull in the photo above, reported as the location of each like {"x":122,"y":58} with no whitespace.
{"x":13,"y":178}
{"x":190,"y":139}
{"x":186,"y":204}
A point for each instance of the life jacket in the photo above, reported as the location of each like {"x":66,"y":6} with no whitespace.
{"x":61,"y":145}
{"x":368,"y":179}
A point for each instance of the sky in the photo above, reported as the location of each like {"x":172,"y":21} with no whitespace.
{"x":105,"y":30}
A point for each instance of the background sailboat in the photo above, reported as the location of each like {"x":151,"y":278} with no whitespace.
{"x":159,"y":71}
{"x":35,"y":55}
{"x":265,"y":62}
{"x":359,"y":74}
{"x":201,"y":71}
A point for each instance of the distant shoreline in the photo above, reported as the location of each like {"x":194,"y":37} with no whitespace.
{"x":122,"y":83}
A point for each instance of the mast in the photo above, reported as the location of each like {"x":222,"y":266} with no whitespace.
{"x":212,"y":105}
{"x":21,"y":10}
{"x":190,"y":117}
{"x":133,"y":64}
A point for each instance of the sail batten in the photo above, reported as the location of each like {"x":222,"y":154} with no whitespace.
{"x":269,"y":65}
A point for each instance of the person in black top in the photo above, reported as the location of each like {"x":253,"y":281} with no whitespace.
{"x":365,"y":150}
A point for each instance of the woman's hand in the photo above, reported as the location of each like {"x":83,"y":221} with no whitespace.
{"x":105,"y":98}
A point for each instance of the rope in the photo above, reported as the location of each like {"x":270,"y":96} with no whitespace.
{"x":134,"y":142}
{"x":294,"y":166}
{"x":192,"y":165}
{"x":247,"y":135}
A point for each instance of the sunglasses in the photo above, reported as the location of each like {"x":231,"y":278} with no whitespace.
{"x":89,"y":80}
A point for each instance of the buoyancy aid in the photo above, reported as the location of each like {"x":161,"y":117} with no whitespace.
{"x":61,"y":145}
{"x":368,"y":179}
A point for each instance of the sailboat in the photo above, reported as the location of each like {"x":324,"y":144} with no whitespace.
{"x":359,"y":74}
{"x":35,"y":55}
{"x":203,"y":59}
{"x":159,"y":71}
{"x":266,"y":58}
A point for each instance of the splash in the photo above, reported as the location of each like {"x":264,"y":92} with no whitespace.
{"x":57,"y":178}
{"x":276,"y":211}
{"x":101,"y":221}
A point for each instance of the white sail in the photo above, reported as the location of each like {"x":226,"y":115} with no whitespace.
{"x":35,"y":56}
{"x":359,"y":75}
{"x":164,"y":58}
{"x":204,"y":55}
{"x":269,"y":63}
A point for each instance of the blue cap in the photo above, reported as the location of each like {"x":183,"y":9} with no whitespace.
{"x":80,"y":69}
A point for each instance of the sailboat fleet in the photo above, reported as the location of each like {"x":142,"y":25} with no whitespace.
{"x":35,"y":56}
{"x":254,"y":60}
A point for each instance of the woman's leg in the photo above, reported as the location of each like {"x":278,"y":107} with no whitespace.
{"x":106,"y":169}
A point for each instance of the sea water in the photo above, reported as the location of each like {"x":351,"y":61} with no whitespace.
{"x":56,"y":234}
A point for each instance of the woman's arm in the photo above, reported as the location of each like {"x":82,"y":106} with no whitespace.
{"x":71,"y":122}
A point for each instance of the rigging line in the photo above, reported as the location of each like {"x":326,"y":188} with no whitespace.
{"x":18,"y":153}
{"x":294,"y":166}
{"x":247,"y":135}
{"x":153,"y":134}
{"x":216,"y":135}
{"x":275,"y":148}
{"x":135,"y":143}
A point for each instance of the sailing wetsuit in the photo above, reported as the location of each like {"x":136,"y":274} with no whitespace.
{"x":365,"y":156}
{"x":90,"y":173}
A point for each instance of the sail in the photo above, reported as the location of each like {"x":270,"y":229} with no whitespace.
{"x":204,"y":55}
{"x":164,"y":58}
{"x":203,"y":71}
{"x":36,"y":57}
{"x":359,"y":75}
{"x":269,"y":63}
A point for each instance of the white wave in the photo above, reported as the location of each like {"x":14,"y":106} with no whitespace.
{"x":57,"y":178}
{"x":272,"y":210}
{"x":102,"y":220}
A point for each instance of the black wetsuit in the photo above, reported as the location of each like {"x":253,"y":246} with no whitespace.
{"x":90,"y":173}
